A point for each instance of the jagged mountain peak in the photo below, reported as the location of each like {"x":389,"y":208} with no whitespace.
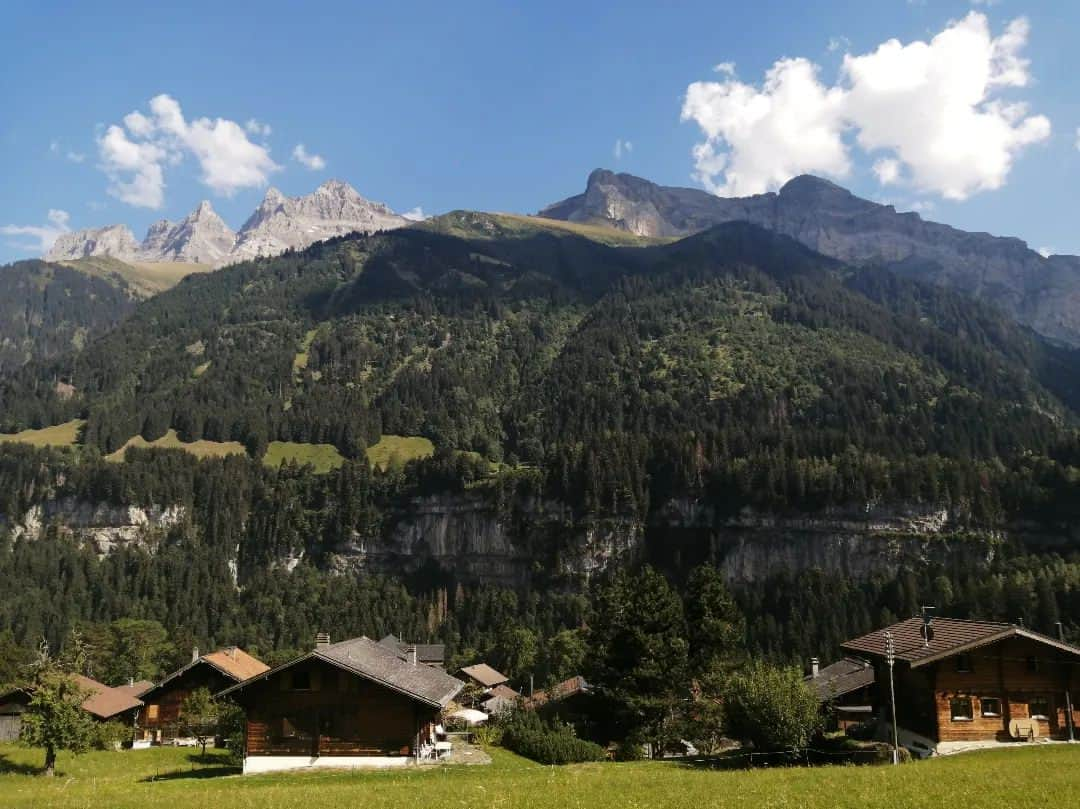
{"x":278,"y":224}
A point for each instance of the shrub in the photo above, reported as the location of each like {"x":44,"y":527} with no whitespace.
{"x":528,"y":735}
{"x":110,"y":735}
{"x":772,"y":708}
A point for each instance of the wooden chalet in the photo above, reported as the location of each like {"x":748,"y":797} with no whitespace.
{"x":567,"y":702}
{"x":103,"y":703}
{"x":357,"y":703}
{"x":959,"y":682}
{"x":160,"y":721}
{"x":845,"y":690}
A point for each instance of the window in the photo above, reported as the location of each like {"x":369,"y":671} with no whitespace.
{"x":1033,"y":665}
{"x":961,"y":709}
{"x":991,"y":706}
{"x":152,"y":711}
{"x":1039,"y":708}
{"x":963,"y":663}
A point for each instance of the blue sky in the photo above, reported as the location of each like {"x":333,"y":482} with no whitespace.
{"x":499,"y":106}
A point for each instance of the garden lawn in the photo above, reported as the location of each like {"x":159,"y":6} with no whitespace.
{"x":177,"y":778}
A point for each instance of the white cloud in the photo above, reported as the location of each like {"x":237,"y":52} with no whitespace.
{"x":308,"y":160}
{"x":258,"y":128}
{"x":757,"y":139}
{"x":840,"y":43}
{"x":887,"y":170}
{"x":134,"y":155}
{"x":415,"y":215}
{"x":931,"y":111}
{"x":1046,"y":252}
{"x":75,"y":157}
{"x":45,"y":235}
{"x":622,"y":147}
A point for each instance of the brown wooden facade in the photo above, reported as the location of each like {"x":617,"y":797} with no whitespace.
{"x":316,"y":709}
{"x":974,"y":696}
{"x":159,"y":720}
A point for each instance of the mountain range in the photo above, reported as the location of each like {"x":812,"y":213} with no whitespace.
{"x":280,"y":223}
{"x":1040,"y":292}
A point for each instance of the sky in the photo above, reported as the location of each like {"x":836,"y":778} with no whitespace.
{"x":967,"y":111}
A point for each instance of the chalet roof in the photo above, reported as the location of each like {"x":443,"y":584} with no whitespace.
{"x":137,"y":688}
{"x":485,"y":675}
{"x":505,"y":691}
{"x":236,"y":663}
{"x":430,"y":653}
{"x":842,"y":677}
{"x":950,"y":636}
{"x":105,"y":702}
{"x":232,"y":661}
{"x":380,"y":664}
{"x":559,"y":691}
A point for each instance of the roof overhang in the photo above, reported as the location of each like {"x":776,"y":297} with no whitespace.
{"x":315,"y":655}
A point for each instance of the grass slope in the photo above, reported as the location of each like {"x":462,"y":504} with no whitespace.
{"x":200,"y":449}
{"x":324,"y":457}
{"x":398,"y":449}
{"x":60,"y":435}
{"x":146,"y":279}
{"x":176,"y":777}
{"x":476,"y":225}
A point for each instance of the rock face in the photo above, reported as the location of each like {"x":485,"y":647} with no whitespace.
{"x":334,"y":209}
{"x":279,"y":223}
{"x":1043,"y":293}
{"x":114,"y":241}
{"x":202,"y":237}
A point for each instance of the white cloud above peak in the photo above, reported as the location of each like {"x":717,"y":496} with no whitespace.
{"x":931,"y":114}
{"x":134,"y":155}
{"x":307,"y":159}
{"x":43,"y":236}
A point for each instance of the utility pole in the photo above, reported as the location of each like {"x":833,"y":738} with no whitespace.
{"x":890,"y":658}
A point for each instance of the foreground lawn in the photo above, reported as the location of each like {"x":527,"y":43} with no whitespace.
{"x":177,"y":777}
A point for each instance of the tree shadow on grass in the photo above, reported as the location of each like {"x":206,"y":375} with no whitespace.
{"x":201,"y":766}
{"x":9,"y":767}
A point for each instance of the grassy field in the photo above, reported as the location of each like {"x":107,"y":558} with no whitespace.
{"x":398,"y":449}
{"x":200,"y":449}
{"x":324,"y":457}
{"x":146,"y":279}
{"x":177,"y":777}
{"x":61,"y":435}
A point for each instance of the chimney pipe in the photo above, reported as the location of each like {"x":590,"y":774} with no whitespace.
{"x":410,"y":654}
{"x":194,"y":653}
{"x":1060,"y":631}
{"x":927,"y":624}
{"x":815,"y":667}
{"x":322,"y":639}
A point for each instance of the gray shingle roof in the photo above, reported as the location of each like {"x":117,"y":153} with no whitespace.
{"x":485,"y":675}
{"x":842,"y":677}
{"x":373,"y":661}
{"x":430,"y":653}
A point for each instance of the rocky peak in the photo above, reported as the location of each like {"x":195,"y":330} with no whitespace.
{"x":1042,"y":294}
{"x":116,"y":241}
{"x":202,"y":237}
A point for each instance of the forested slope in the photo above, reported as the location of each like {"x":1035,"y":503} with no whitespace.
{"x":590,"y":405}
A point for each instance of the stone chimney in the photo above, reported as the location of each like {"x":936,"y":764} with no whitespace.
{"x":194,"y":653}
{"x":815,"y":667}
{"x":322,"y":639}
{"x":410,"y":654}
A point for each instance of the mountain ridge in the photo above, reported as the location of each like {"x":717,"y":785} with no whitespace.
{"x":278,"y":224}
{"x":1040,"y":292}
